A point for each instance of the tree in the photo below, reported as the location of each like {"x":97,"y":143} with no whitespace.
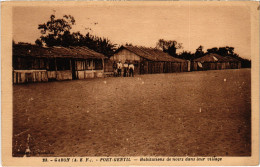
{"x":199,"y":52}
{"x":223,"y":51}
{"x":128,"y":44}
{"x":212,"y":50}
{"x":98,"y":44}
{"x":230,"y":50}
{"x":169,"y":46}
{"x":56,"y":32}
{"x":38,"y":42}
{"x":53,"y":29}
{"x":186,"y":55}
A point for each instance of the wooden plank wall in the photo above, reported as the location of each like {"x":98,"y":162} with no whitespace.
{"x":24,"y":76}
{"x":108,"y":65}
{"x":125,"y":55}
{"x":164,"y":67}
{"x":31,"y":69}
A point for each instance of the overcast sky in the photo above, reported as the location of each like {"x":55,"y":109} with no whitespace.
{"x":192,"y":25}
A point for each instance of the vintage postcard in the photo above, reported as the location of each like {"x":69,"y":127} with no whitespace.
{"x":105,"y":83}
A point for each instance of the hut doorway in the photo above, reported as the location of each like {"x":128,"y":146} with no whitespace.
{"x":73,"y":70}
{"x":142,"y":68}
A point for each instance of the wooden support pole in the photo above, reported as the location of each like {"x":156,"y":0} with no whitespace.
{"x":70,"y":65}
{"x":103,"y":64}
{"x":92,"y":65}
{"x":55,"y":62}
{"x":71,"y":70}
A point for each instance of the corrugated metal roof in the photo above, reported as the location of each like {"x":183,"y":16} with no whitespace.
{"x":151,"y":54}
{"x":57,"y":51}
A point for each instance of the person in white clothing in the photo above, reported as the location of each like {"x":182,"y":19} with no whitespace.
{"x":119,"y":68}
{"x":125,"y":69}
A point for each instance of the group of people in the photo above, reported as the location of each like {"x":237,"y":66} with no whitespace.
{"x":126,"y":68}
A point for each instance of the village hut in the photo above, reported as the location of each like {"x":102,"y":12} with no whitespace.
{"x":210,"y":61}
{"x":29,"y":64}
{"x":214,"y":61}
{"x":89,"y":64}
{"x":38,"y":64}
{"x":149,"y":60}
{"x":233,"y":63}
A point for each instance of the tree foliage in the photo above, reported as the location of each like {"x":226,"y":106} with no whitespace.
{"x":56,"y":27}
{"x":169,"y":46}
{"x":53,"y":29}
{"x":199,"y":52}
{"x":186,"y":55}
{"x":191,"y":56}
{"x":56,"y":32}
{"x":128,"y":44}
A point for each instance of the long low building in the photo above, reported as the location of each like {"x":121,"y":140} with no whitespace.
{"x":149,"y":60}
{"x":214,"y":61}
{"x":41,"y":64}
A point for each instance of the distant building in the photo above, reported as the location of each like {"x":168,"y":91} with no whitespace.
{"x":40,"y":64}
{"x":233,"y":63}
{"x":149,"y":60}
{"x":214,"y":61}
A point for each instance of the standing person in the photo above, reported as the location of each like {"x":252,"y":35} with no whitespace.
{"x":131,"y":69}
{"x":115,"y":69}
{"x":119,"y":68}
{"x":125,"y":69}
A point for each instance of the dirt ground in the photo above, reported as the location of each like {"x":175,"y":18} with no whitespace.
{"x":206,"y":113}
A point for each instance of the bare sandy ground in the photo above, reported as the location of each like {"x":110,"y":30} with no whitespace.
{"x":205,"y":113}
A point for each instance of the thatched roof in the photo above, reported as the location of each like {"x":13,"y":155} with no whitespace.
{"x":30,"y":50}
{"x":60,"y":52}
{"x":212,"y":57}
{"x":86,"y":52}
{"x":151,"y":54}
{"x":57,"y":51}
{"x":138,"y":52}
{"x":231,"y":59}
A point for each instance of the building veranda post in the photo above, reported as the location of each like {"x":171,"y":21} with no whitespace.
{"x":149,"y":60}
{"x":41,"y":64}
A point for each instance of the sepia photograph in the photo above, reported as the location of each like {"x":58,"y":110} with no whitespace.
{"x":148,"y":80}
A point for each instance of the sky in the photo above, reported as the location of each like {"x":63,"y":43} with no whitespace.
{"x":144,"y":24}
